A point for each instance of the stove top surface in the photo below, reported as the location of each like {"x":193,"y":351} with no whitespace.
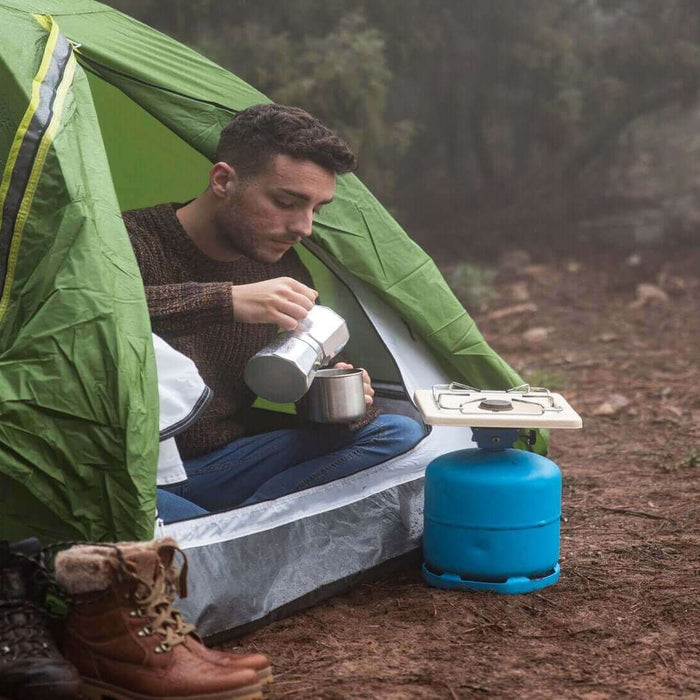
{"x":521,"y":407}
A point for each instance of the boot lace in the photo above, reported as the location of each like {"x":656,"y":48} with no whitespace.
{"x":155,"y":604}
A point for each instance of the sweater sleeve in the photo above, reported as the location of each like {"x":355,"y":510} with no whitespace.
{"x":195,"y":304}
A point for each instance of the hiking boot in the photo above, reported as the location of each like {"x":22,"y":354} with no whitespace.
{"x":176,"y":586}
{"x":126,"y":638}
{"x":31,"y":667}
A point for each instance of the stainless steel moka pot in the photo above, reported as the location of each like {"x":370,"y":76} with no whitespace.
{"x":283,"y":371}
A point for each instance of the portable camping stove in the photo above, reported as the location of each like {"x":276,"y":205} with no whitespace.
{"x":492,"y":513}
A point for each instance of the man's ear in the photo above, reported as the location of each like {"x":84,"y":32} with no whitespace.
{"x":222,"y":179}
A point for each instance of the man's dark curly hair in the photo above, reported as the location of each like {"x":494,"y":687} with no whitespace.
{"x":259,"y":132}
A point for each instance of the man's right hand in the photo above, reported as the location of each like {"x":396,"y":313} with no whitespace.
{"x":282,"y":300}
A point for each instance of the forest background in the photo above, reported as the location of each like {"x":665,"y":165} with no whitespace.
{"x":485,"y":125}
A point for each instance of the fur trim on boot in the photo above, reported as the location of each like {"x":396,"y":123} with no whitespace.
{"x":88,"y":568}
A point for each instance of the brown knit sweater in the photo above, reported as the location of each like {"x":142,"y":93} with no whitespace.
{"x":190,"y":304}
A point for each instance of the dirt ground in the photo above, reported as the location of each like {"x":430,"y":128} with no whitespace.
{"x":624,"y":619}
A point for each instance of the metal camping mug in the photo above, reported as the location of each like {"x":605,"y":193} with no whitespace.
{"x":283,"y":371}
{"x":335,"y":396}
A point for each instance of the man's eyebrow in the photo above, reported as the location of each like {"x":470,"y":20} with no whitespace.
{"x":302,"y":195}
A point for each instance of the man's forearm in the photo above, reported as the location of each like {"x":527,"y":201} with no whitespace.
{"x":189,"y":304}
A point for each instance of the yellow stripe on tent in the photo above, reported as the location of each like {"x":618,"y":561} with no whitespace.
{"x":29,"y":114}
{"x":40,"y":157}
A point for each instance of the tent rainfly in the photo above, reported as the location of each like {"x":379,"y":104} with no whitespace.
{"x":99,"y":114}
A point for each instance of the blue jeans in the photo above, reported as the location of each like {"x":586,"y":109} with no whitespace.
{"x":266,"y":466}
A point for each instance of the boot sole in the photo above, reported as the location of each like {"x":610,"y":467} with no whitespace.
{"x":96,"y":690}
{"x":49,"y":691}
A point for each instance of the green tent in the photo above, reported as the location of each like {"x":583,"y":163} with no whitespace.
{"x":98,"y":114}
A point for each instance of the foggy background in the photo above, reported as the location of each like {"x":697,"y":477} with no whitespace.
{"x":483,"y":125}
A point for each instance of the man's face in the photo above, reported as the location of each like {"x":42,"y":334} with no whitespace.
{"x":266,"y":214}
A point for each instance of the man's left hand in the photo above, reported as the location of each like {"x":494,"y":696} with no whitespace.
{"x":369,"y":391}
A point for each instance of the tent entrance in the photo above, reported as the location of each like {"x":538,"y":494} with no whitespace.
{"x":149,"y":163}
{"x":159,"y":166}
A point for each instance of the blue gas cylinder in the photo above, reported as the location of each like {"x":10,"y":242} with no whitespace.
{"x":492,"y":521}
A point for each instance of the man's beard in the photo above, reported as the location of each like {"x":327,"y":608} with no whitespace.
{"x":234,"y":233}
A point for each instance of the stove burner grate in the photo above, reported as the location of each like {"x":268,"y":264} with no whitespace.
{"x":533,"y":396}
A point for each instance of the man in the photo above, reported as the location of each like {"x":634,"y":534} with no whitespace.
{"x":221,"y":277}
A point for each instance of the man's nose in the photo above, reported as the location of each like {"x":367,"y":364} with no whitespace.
{"x":303,"y":223}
